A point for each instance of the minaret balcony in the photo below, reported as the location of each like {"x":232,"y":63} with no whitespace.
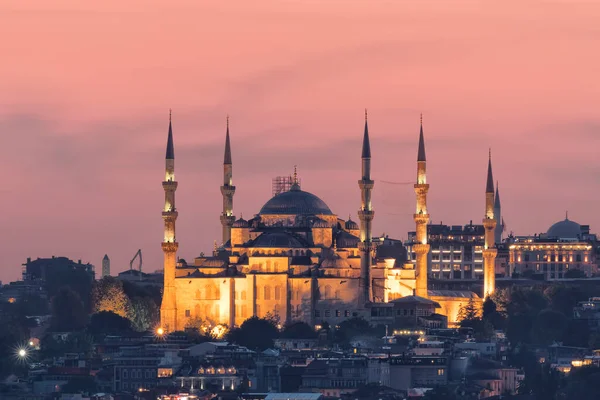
{"x":169,"y":215}
{"x":366,"y":184}
{"x":227,"y":190}
{"x":169,"y":247}
{"x":227,"y":219}
{"x":421,"y":218}
{"x":366,"y":215}
{"x":169,"y":185}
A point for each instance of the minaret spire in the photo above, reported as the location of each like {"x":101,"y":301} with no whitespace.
{"x":227,"y":158}
{"x":168,"y":309}
{"x":365,"y":214}
{"x":227,"y":190}
{"x":489,"y":223}
{"x":421,"y":218}
{"x":421,"y":155}
{"x":498,"y":216}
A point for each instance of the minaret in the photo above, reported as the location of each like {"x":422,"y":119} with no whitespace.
{"x":105,"y":266}
{"x":227,"y":190}
{"x":365,"y":214}
{"x":498,"y":217}
{"x":421,"y":217}
{"x":489,"y":223}
{"x":168,"y":309}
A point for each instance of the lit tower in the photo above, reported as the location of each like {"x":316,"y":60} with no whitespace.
{"x":365,"y":214}
{"x":168,"y":309}
{"x":489,"y":223}
{"x":227,"y":190}
{"x":421,"y":217}
{"x":498,"y":217}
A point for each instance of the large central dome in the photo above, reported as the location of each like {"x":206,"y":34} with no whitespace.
{"x":295,"y":202}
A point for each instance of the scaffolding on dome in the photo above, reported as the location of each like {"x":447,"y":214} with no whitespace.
{"x":282,"y":184}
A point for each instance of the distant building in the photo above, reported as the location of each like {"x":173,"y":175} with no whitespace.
{"x":38,"y":270}
{"x":456,"y":251}
{"x":565,"y":246}
{"x":105,"y":266}
{"x":408,"y":372}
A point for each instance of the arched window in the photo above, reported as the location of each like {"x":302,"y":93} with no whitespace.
{"x":276,"y":310}
{"x":337,"y":294}
{"x":327,"y":292}
{"x":297,"y":294}
{"x":217,"y":293}
{"x":244,"y":311}
{"x":197,"y":311}
{"x":258,"y":310}
{"x":206,"y":311}
{"x":243,"y":295}
{"x":267,"y":292}
{"x":208,"y":292}
{"x":277,"y":292}
{"x":268,"y":266}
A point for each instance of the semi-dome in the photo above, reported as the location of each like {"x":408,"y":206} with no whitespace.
{"x":278,"y":239}
{"x":295,"y":202}
{"x":565,"y":229}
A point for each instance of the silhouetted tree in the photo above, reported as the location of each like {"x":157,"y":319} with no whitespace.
{"x":549,"y":326}
{"x":68,"y":312}
{"x":299,"y":330}
{"x":106,"y":322}
{"x":255,"y":333}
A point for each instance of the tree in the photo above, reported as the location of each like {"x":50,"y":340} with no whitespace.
{"x":255,"y":333}
{"x":489,"y":308}
{"x":582,"y":384}
{"x":33,"y":304}
{"x":108,"y":295}
{"x":563,"y":298}
{"x":68,"y":313}
{"x":13,"y":333}
{"x":549,"y":327}
{"x":298,"y":330}
{"x":468,"y":312}
{"x":143,"y":313}
{"x":107,"y":322}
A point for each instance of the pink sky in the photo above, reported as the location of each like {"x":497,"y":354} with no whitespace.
{"x":85,"y":90}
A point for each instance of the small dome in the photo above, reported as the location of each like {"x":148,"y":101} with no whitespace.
{"x":565,"y":229}
{"x":277,"y":239}
{"x":240,"y":223}
{"x":295,"y":202}
{"x":351,"y":225}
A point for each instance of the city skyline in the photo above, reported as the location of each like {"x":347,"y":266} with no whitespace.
{"x":84,"y":145}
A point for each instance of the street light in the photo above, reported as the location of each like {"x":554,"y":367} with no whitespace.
{"x":22,"y":353}
{"x":160,"y":331}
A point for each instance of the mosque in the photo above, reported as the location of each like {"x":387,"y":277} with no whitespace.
{"x":299,"y":261}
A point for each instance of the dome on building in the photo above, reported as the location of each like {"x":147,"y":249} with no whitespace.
{"x":240,"y":223}
{"x":351,"y":225}
{"x":295,"y":202}
{"x":565,"y":229}
{"x":278,"y":239}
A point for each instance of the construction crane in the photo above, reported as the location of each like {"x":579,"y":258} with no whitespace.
{"x":139,"y":253}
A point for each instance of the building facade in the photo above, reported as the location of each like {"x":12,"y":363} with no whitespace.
{"x":566,"y":246}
